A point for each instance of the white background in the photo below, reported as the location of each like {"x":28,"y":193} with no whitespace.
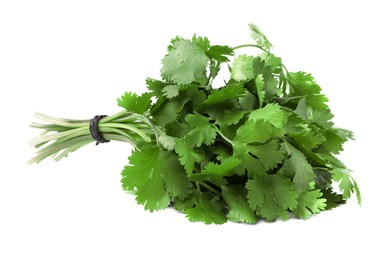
{"x":74,"y":58}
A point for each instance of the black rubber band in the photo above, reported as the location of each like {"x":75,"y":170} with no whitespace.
{"x":94,"y":129}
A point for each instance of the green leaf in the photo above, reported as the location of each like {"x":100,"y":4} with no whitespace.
{"x":248,"y":101}
{"x":170,"y":91}
{"x":259,"y":37}
{"x":269,"y":154}
{"x":303,"y":84}
{"x":202,"y":131}
{"x":346,"y":183}
{"x":253,"y":132}
{"x":309,"y":202}
{"x":196,"y":97}
{"x":185,"y":63}
{"x":156,"y":175}
{"x":168,"y":111}
{"x":224,"y":169}
{"x":298,"y":168}
{"x":155,"y":86}
{"x":333,"y":141}
{"x":322,"y":117}
{"x":323,"y":178}
{"x":242,"y":69}
{"x":332,"y":198}
{"x":231,"y":117}
{"x":187,"y":155}
{"x":271,"y":196}
{"x":219,"y":53}
{"x":207,"y":208}
{"x":310,"y":139}
{"x":168,"y":142}
{"x":273,"y":62}
{"x":173,"y":41}
{"x":271,"y":113}
{"x":176,"y":182}
{"x":134,"y":103}
{"x":260,"y":89}
{"x":230,"y":91}
{"x":239,"y":210}
{"x":201,"y":42}
{"x":302,"y":109}
{"x":153,"y":195}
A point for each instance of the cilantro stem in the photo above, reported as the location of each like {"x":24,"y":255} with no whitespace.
{"x":197,"y":186}
{"x":209,"y":187}
{"x":250,"y":45}
{"x":46,"y":138}
{"x":131,"y":128}
{"x":222,"y":135}
{"x":63,"y":136}
{"x":114,"y":116}
{"x":60,"y":121}
{"x":156,"y":130}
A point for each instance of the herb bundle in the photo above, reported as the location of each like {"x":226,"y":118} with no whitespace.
{"x":263,"y":146}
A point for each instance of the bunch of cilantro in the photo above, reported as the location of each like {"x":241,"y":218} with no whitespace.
{"x":263,"y":146}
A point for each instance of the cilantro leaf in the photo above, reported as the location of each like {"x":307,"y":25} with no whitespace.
{"x":271,"y":113}
{"x":271,"y":196}
{"x":206,"y":208}
{"x":310,"y":138}
{"x":260,"y":89}
{"x":155,"y":86}
{"x":269,"y":154}
{"x":171,"y":91}
{"x":298,"y":168}
{"x":165,"y":111}
{"x":303,"y":84}
{"x":239,"y":210}
{"x":134,"y":103}
{"x":153,"y":195}
{"x":185,"y":63}
{"x":156,"y":175}
{"x":309,"y":202}
{"x":201,"y":42}
{"x":259,"y":37}
{"x":248,"y":101}
{"x":219,"y":53}
{"x":332,"y":198}
{"x":346,"y":183}
{"x":242,"y":69}
{"x":231,"y":91}
{"x":231,"y":117}
{"x":187,"y":155}
{"x":323,"y":178}
{"x":202,"y":131}
{"x":168,"y":142}
{"x":322,"y":117}
{"x":246,"y":147}
{"x":224,"y":169}
{"x":253,"y":132}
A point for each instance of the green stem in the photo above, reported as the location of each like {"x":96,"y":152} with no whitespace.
{"x":209,"y":187}
{"x":46,"y":138}
{"x":223,"y":136}
{"x":197,"y":186}
{"x":56,"y":148}
{"x":61,"y":121}
{"x":250,"y":45}
{"x":130,"y":128}
{"x":114,"y":116}
{"x":63,"y":136}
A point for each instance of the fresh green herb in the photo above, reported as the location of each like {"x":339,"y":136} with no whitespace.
{"x":262,"y":146}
